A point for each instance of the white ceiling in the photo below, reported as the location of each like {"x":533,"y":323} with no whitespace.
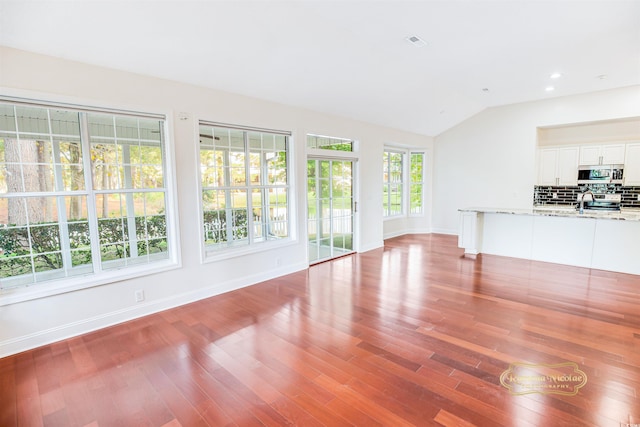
{"x":350,"y":58}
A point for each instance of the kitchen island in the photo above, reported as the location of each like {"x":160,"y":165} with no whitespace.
{"x":593,"y":239}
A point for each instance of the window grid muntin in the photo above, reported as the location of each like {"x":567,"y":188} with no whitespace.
{"x":321,"y":142}
{"x":259,"y":184}
{"x":393,"y":183}
{"x":416,"y":183}
{"x":61,"y":191}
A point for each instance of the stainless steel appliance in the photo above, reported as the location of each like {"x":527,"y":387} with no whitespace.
{"x":604,"y":174}
{"x":599,"y":202}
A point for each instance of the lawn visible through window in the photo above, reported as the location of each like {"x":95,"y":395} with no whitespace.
{"x":245,"y":188}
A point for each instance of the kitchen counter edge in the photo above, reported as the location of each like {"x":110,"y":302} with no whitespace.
{"x":624,"y":214}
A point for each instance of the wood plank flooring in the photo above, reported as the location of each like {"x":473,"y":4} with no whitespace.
{"x":410,"y":335}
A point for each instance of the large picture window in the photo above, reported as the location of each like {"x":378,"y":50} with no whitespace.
{"x":81,"y":193}
{"x":245,"y":189}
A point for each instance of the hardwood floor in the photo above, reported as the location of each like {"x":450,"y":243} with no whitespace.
{"x":414,"y":334}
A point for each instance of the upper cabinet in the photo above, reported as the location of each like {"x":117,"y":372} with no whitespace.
{"x":558,"y":166}
{"x":607,"y":154}
{"x":604,"y":142}
{"x":632,"y":165}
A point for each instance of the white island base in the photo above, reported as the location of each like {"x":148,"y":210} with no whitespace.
{"x":595,"y":240}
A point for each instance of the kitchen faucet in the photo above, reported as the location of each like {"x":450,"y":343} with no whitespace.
{"x":582,"y":200}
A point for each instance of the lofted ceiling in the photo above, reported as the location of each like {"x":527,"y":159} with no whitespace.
{"x":350,"y":58}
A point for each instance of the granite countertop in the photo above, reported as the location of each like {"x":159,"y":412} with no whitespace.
{"x":562,"y":211}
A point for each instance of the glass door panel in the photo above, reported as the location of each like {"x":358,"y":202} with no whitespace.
{"x":330,"y":208}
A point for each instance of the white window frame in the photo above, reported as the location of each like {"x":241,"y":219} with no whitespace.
{"x":213,"y":253}
{"x":388,"y":183}
{"x":406,"y":182}
{"x":421,"y":182}
{"x":101,"y":276}
{"x":318,"y":148}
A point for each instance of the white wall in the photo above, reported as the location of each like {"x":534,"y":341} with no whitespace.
{"x":394,"y":227}
{"x":28,"y":324}
{"x":489,"y":159}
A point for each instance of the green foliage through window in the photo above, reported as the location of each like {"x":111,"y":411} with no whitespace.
{"x":71,"y":178}
{"x":20,"y":244}
{"x":397,"y":187}
{"x":245,"y":188}
{"x":392,"y":189}
{"x":329,"y":143}
{"x":416,"y":187}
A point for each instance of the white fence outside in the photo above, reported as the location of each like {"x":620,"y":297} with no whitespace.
{"x":342,"y":222}
{"x":277,"y":226}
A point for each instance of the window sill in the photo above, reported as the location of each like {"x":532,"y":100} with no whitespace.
{"x":213,"y":255}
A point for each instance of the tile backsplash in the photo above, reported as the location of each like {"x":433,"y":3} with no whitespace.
{"x":567,"y":195}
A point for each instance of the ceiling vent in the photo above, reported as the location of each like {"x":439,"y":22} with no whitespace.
{"x":416,"y":41}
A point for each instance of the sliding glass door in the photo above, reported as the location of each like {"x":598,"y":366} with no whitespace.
{"x":330,"y":208}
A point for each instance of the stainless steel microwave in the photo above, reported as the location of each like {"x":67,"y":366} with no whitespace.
{"x":603,"y":174}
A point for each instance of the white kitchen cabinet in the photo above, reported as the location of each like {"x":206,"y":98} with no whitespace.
{"x":548,"y":166}
{"x":632,"y":165}
{"x":608,"y":154}
{"x":590,"y":155}
{"x":469,"y":232}
{"x":558,"y":166}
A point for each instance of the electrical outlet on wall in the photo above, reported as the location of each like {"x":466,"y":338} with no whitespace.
{"x":139,"y":295}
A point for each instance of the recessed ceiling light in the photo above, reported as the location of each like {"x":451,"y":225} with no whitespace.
{"x":416,"y":41}
{"x":549,"y":88}
{"x":555,"y":75}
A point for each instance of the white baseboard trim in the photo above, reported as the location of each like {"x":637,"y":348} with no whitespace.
{"x":392,"y":235}
{"x":69,"y":330}
{"x":444,"y":231}
{"x":371,"y":247}
{"x":418,"y":231}
{"x":405,"y":232}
